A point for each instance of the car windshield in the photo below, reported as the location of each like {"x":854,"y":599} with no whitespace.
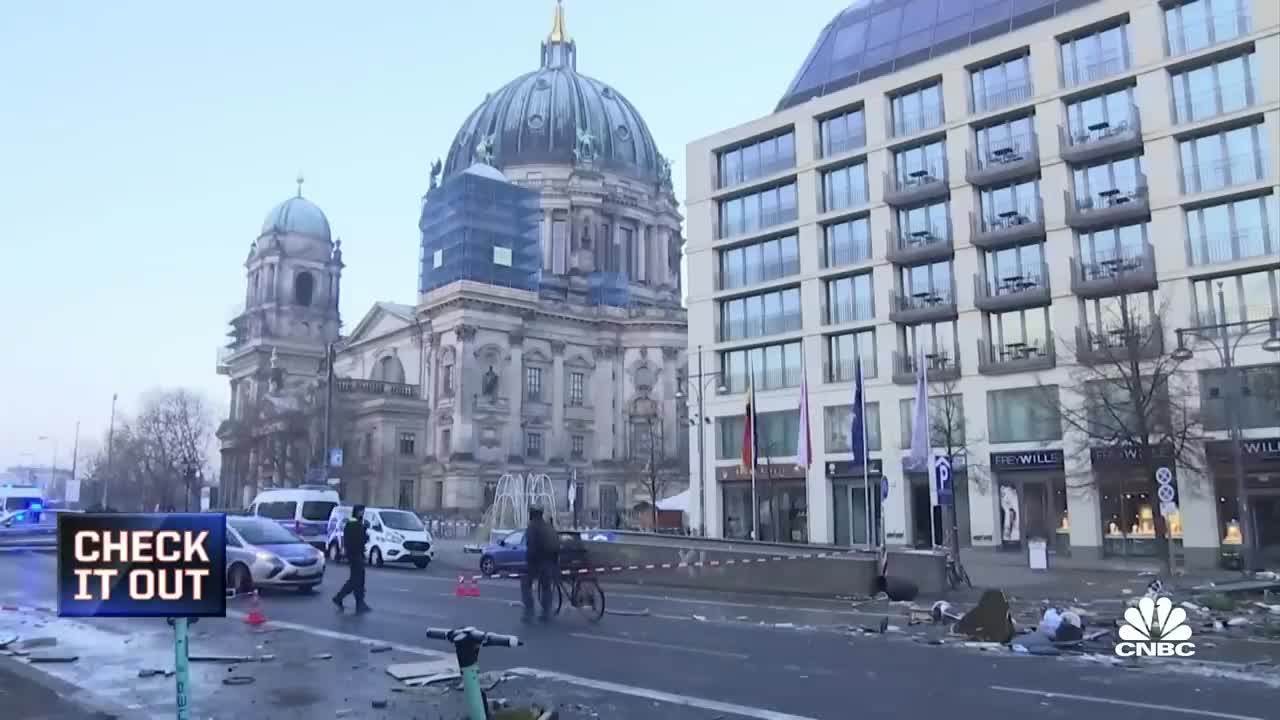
{"x":400,"y":520}
{"x":277,"y":510}
{"x":262,"y":532}
{"x":317,"y":511}
{"x":514,"y":539}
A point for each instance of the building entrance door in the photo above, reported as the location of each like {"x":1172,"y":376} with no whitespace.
{"x":921,"y":515}
{"x":1036,"y":522}
{"x":1266,"y":523}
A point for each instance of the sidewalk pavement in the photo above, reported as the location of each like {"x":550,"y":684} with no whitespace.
{"x":27,"y":693}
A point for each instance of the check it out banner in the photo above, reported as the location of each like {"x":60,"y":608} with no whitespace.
{"x":142,"y":565}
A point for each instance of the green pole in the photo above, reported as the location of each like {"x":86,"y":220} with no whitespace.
{"x":180,"y":666}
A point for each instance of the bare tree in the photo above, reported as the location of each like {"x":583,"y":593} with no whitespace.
{"x":649,"y":454}
{"x":949,"y":432}
{"x":1131,"y":397}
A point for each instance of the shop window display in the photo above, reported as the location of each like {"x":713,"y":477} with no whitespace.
{"x":1128,"y":517}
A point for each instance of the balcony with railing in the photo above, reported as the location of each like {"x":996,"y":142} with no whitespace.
{"x":764,"y":273}
{"x":1001,"y":97}
{"x":919,"y":246}
{"x":1101,"y":139}
{"x":1110,"y":207}
{"x":1190,"y":35}
{"x":1015,"y":357}
{"x":1223,"y":246}
{"x":1125,"y":272}
{"x":929,"y":305}
{"x":1094,"y":68}
{"x":941,"y":367}
{"x":1013,"y":290}
{"x":355,"y":386}
{"x":742,"y":175}
{"x":750,"y":226}
{"x":752,"y":328}
{"x":1115,"y":344}
{"x":916,"y":186}
{"x":829,"y":147}
{"x":1006,"y":160}
{"x":1223,"y":173}
{"x":1007,"y":227}
{"x":904,"y":124}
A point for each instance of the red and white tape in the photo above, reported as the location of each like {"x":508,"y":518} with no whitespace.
{"x":603,"y":569}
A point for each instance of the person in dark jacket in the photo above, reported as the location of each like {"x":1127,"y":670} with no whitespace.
{"x":354,"y":538}
{"x":542,"y":551}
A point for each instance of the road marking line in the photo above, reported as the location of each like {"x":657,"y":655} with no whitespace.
{"x":335,"y":635}
{"x":664,"y":646}
{"x":1127,"y":703}
{"x":660,"y":696}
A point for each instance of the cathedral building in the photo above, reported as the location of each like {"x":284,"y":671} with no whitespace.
{"x":548,"y":334}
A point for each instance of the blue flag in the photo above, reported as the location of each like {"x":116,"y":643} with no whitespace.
{"x":857,"y":431}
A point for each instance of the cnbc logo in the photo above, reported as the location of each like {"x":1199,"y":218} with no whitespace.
{"x":1155,"y":629}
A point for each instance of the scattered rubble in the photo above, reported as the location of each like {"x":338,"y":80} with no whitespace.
{"x":989,"y":620}
{"x":238,"y":680}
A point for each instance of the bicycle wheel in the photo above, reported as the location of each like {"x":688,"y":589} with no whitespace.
{"x":588,"y":598}
{"x":560,"y":593}
{"x":964,"y":575}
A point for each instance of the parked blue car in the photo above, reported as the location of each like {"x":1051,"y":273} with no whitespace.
{"x":506,"y":555}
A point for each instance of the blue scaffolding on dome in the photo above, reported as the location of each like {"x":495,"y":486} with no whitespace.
{"x":609,"y":288}
{"x":478,"y":226}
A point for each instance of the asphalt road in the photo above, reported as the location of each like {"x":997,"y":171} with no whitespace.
{"x":699,"y":647}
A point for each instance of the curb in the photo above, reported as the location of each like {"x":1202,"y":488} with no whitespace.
{"x":92,"y":705}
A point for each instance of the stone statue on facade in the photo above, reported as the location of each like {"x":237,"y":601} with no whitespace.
{"x":436,"y":168}
{"x":664,"y":172}
{"x":489,"y":386}
{"x":484,"y":150}
{"x":585,"y":150}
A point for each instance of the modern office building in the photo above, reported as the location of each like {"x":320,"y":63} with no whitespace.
{"x":985,"y":184}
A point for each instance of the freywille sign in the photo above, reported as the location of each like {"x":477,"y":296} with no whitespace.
{"x":142,"y":565}
{"x":1128,"y":454}
{"x":776,"y":471}
{"x":1029,"y":460}
{"x":1260,"y":449}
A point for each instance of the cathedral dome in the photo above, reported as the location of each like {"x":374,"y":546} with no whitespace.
{"x":556,"y":116}
{"x":297,"y":216}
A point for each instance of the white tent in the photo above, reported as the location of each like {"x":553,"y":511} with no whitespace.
{"x":679,"y":501}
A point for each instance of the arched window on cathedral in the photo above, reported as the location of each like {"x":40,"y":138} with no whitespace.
{"x":389,"y":369}
{"x":304,"y":287}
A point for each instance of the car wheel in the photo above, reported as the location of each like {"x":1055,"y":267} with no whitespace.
{"x":239,"y":579}
{"x":335,"y":555}
{"x":308,"y":588}
{"x":488,"y":566}
{"x":375,"y":557}
{"x":421,"y":563}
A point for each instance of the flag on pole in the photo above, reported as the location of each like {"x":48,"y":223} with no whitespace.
{"x":920,"y":449}
{"x":749,"y":429}
{"x":803,"y":444}
{"x":857,"y":429}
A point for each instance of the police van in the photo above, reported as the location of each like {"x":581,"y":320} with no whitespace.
{"x":20,"y":504}
{"x":304,"y":510}
{"x":395,"y":536}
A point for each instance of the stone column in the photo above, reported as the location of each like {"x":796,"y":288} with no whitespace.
{"x":621,"y":416}
{"x":619,"y":251}
{"x":642,"y":253}
{"x":557,"y":400}
{"x":671,"y":428}
{"x":513,"y":388}
{"x":601,"y":399}
{"x":465,"y":440}
{"x":546,"y":239}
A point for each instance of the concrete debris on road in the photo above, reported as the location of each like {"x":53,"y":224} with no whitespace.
{"x":989,"y":621}
{"x":53,"y":658}
{"x":221,"y":658}
{"x":409,"y":671}
{"x":238,"y":680}
{"x":154,"y":672}
{"x":38,"y":642}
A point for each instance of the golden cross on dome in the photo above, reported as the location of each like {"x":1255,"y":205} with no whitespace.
{"x":300,"y":180}
{"x":558,"y":33}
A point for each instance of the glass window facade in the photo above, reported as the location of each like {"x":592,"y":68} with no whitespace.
{"x":920,"y":163}
{"x":843,"y":132}
{"x":1010,"y":267}
{"x":1098,"y":249}
{"x":1221,"y":160}
{"x":1248,"y":296}
{"x":777,"y":435}
{"x":1095,"y":117}
{"x":1016,"y":134}
{"x":759,"y":315}
{"x":1001,"y":84}
{"x":946,"y":421}
{"x":917,"y":110}
{"x":1110,"y":413}
{"x":843,"y":351}
{"x":577,"y":387}
{"x":1016,"y":200}
{"x":849,"y":299}
{"x":926,"y":223}
{"x":838,"y":423}
{"x":1257,"y":405}
{"x":750,"y":213}
{"x":1016,"y":330}
{"x":757,"y":159}
{"x":844,"y":187}
{"x":1103,"y":317}
{"x":1095,"y":56}
{"x":929,"y":282}
{"x":774,"y":367}
{"x":1222,"y":87}
{"x":533,"y":383}
{"x":1234,"y":230}
{"x":759,"y":262}
{"x":1025,"y":414}
{"x":847,"y":242}
{"x":1191,"y":26}
{"x":934,"y":339}
{"x":1094,"y":184}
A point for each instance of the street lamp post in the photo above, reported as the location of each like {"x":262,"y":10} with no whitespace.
{"x":111,"y":433}
{"x":1218,"y":336}
{"x":704,"y":380}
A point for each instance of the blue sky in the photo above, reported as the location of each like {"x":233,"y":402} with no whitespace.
{"x":142,"y":143}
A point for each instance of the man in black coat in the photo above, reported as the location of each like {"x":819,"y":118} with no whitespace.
{"x":354,"y":539}
{"x":542,"y":555}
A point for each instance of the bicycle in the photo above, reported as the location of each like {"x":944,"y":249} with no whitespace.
{"x":467,"y":642}
{"x":584,"y":593}
{"x":956,"y":574}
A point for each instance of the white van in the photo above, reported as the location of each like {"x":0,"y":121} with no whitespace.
{"x":20,"y":504}
{"x":304,"y":510}
{"x":395,"y":536}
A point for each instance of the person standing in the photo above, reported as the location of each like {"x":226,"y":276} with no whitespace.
{"x":354,"y":539}
{"x":542,"y":551}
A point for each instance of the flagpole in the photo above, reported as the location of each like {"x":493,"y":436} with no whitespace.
{"x":755,"y":434}
{"x":928,"y":454}
{"x":867,"y":498}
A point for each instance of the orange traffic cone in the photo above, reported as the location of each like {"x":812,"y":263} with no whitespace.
{"x":474,"y":589}
{"x":461,"y":589}
{"x":255,"y":616}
